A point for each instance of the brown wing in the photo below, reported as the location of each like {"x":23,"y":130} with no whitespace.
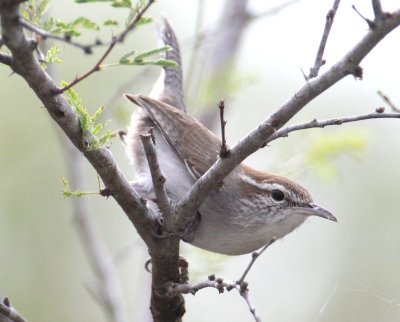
{"x":194,"y":144}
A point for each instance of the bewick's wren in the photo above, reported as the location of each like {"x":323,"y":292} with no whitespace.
{"x":251,"y":208}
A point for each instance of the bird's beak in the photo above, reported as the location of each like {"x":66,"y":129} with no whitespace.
{"x":314,"y":210}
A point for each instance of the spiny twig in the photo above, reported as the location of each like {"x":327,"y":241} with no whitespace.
{"x":224,"y":152}
{"x":319,"y":61}
{"x":378,"y":114}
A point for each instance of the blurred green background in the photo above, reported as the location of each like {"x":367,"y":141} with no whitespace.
{"x":324,"y":271}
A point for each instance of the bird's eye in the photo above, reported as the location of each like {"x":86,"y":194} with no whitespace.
{"x":277,"y":195}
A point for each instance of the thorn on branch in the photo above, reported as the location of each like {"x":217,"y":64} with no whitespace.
{"x":370,"y":23}
{"x":224,"y":152}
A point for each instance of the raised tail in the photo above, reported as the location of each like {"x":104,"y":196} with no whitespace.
{"x":169,"y":86}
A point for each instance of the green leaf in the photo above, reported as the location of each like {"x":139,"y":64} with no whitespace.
{"x":153,"y":52}
{"x":122,"y":4}
{"x":131,"y":58}
{"x":51,"y":57}
{"x":164,"y":62}
{"x":125,"y":59}
{"x":88,"y":123}
{"x":144,"y":20}
{"x":110,"y":22}
{"x":85,"y":23}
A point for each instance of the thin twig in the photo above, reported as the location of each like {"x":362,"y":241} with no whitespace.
{"x":163,"y":201}
{"x":47,"y":35}
{"x":254,"y":257}
{"x":114,"y":41}
{"x":370,"y":23}
{"x":389,"y":102}
{"x":218,"y":283}
{"x":7,"y":311}
{"x":224,"y":152}
{"x":377,"y":7}
{"x":221,"y":285}
{"x":378,"y":114}
{"x":319,"y":61}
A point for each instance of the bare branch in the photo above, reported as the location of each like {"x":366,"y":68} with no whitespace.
{"x":389,"y":102}
{"x":114,"y":41}
{"x":218,"y":283}
{"x":163,"y":201}
{"x":7,"y":311}
{"x":47,"y":35}
{"x":224,"y":152}
{"x":377,"y":7}
{"x":348,"y":65}
{"x":378,"y":114}
{"x":328,"y":25}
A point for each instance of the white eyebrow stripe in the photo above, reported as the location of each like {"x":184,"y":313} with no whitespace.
{"x":263,"y":185}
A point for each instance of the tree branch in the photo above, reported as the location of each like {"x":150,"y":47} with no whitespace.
{"x":328,"y":25}
{"x":6,"y":310}
{"x":163,"y":201}
{"x":348,"y":65}
{"x":165,"y":252}
{"x":378,"y":114}
{"x":377,"y":7}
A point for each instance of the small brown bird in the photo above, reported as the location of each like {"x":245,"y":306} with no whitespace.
{"x":250,"y":209}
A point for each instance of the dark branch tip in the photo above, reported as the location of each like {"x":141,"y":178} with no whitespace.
{"x":358,"y":72}
{"x":88,"y":51}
